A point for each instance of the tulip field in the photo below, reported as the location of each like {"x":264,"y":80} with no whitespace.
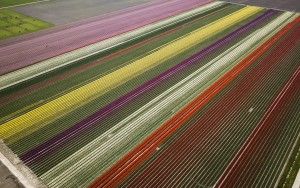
{"x":177,"y":93}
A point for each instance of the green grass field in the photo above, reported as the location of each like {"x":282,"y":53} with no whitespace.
{"x":5,"y":3}
{"x":13,"y":24}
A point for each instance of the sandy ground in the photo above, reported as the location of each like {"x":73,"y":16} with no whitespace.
{"x":61,"y":12}
{"x":290,"y":5}
{"x":7,"y":180}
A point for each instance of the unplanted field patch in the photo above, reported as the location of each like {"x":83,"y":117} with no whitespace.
{"x":13,"y":24}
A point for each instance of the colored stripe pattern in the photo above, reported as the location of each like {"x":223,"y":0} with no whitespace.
{"x":185,"y":104}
